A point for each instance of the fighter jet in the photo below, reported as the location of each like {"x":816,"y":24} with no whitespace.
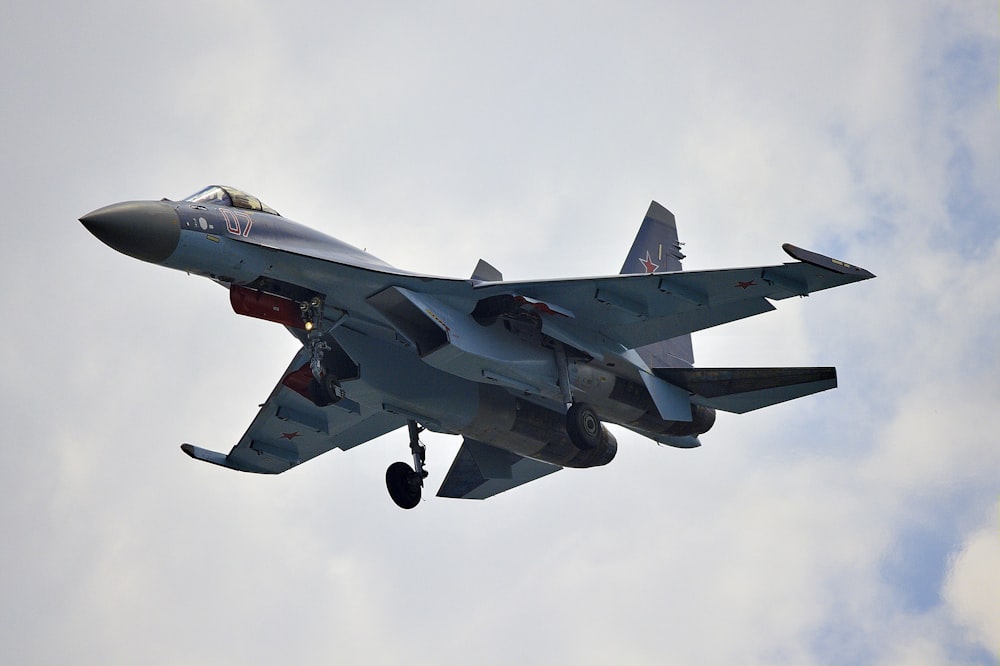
{"x":527,"y":372}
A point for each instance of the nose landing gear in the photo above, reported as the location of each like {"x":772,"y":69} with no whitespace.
{"x":405,"y":483}
{"x":324,"y":389}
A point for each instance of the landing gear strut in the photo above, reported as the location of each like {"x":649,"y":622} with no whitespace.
{"x":403,"y":482}
{"x":583,"y":425}
{"x":324,"y":388}
{"x":312,"y":316}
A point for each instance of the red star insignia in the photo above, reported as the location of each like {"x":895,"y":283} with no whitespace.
{"x":746,"y":285}
{"x":648,"y":264}
{"x":289,"y":435}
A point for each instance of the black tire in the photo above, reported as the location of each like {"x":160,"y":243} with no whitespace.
{"x":584,"y":426}
{"x":403,"y":484}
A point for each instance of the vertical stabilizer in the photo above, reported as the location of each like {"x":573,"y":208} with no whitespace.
{"x":486,"y":273}
{"x":656,"y":249}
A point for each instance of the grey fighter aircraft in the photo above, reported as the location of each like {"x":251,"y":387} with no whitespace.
{"x":525,"y":371}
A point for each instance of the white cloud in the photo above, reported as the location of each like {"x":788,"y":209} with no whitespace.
{"x":972,"y":590}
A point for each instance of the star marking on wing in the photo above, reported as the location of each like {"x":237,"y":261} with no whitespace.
{"x":746,"y":285}
{"x":290,"y":435}
{"x":648,"y":264}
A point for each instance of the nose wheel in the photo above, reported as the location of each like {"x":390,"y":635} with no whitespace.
{"x":404,"y":482}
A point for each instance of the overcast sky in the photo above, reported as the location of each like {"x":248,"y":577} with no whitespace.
{"x":860,"y":525}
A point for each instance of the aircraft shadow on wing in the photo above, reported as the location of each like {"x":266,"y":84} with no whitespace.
{"x":527,"y":372}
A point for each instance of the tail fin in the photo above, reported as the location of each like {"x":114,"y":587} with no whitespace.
{"x":656,"y":249}
{"x":486,"y":273}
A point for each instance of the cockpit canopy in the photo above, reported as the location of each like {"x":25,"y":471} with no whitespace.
{"x":224,"y":195}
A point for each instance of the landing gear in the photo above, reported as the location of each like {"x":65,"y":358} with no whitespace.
{"x":582,"y":423}
{"x":325,"y":391}
{"x":584,"y":426}
{"x":405,"y":483}
{"x":312,"y":317}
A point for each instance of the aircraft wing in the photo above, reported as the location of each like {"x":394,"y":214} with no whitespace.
{"x":289,"y":429}
{"x":593,"y":313}
{"x":636,"y":310}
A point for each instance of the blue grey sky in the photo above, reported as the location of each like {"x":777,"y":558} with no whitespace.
{"x":860,"y":525}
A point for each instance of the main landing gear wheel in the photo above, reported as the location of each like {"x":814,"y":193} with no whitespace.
{"x":404,"y":483}
{"x":583,"y":426}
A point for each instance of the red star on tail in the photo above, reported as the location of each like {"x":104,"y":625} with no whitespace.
{"x":648,"y":264}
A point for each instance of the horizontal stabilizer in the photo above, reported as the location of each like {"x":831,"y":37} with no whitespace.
{"x":480,"y":471}
{"x":741,"y":390}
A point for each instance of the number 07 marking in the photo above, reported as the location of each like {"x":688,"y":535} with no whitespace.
{"x":237,"y":222}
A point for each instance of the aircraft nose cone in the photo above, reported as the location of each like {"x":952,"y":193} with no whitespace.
{"x":147,"y":230}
